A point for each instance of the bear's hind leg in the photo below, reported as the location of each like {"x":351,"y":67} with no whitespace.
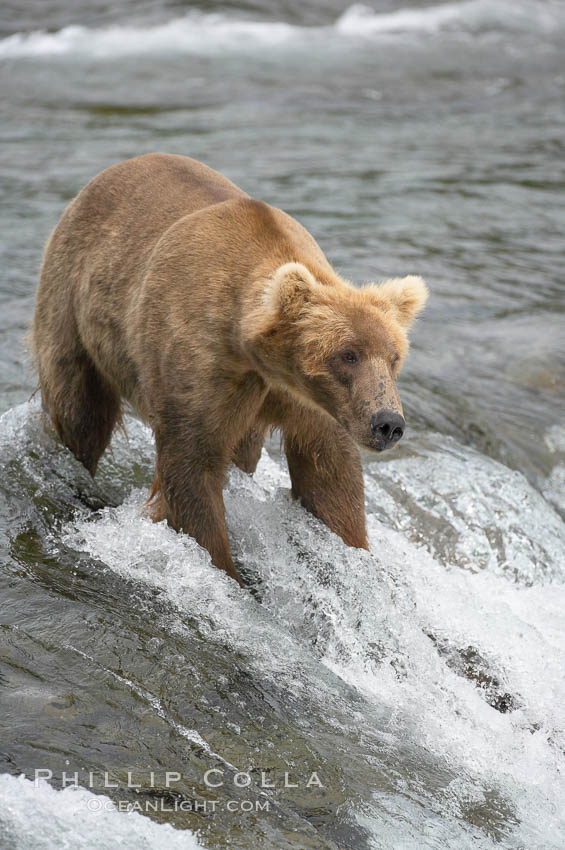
{"x":81,"y":403}
{"x":248,"y":451}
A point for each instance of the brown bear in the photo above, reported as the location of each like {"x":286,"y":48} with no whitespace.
{"x":217,"y":317}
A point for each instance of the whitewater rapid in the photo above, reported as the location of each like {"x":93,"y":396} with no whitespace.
{"x":201,"y":33}
{"x":448,"y":636}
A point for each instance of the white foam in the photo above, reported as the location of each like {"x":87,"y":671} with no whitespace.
{"x":37,"y":817}
{"x":554,"y":490}
{"x":555,"y":439}
{"x":193,"y":33}
{"x":467,"y":16}
{"x":367,"y":617}
{"x":495,"y":521}
{"x":202,"y":33}
{"x":554,"y":486}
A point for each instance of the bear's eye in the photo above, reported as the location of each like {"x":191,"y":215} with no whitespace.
{"x":395,"y":361}
{"x":349,"y":357}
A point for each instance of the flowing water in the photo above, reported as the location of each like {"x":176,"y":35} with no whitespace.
{"x":411,"y":697}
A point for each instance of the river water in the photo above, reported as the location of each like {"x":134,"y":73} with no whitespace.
{"x":413,"y":697}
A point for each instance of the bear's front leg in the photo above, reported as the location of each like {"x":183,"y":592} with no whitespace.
{"x":189,"y":477}
{"x":327,"y":476}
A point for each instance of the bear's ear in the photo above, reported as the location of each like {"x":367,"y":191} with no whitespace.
{"x":404,"y":297}
{"x":289,"y":289}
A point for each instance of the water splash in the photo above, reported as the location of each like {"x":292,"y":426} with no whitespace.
{"x":469,"y":510}
{"x":202,"y":33}
{"x":465,"y":663}
{"x":441,"y":659}
{"x":37,"y":817}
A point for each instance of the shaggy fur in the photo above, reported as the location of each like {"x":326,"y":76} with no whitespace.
{"x":217,"y":317}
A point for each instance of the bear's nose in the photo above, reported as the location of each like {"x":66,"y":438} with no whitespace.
{"x":387,"y":427}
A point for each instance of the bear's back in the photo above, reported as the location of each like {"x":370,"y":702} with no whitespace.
{"x":134,"y":202}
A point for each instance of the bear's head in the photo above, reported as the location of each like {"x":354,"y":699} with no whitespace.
{"x":336,"y":347}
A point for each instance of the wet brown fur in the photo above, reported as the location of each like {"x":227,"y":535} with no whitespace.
{"x":217,"y":317}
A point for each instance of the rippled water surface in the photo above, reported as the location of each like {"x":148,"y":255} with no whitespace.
{"x":422,"y":683}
